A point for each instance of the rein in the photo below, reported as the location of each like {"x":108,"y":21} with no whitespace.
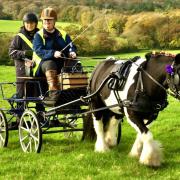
{"x":77,"y":36}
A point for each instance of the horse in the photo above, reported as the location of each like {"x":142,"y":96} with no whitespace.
{"x":140,"y":90}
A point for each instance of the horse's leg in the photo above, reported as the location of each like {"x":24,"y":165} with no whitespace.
{"x":100,"y":145}
{"x":137,"y":147}
{"x":111,"y":132}
{"x":151,"y":154}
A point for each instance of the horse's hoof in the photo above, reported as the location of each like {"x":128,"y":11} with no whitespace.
{"x":111,"y":142}
{"x":149,"y":162}
{"x":101,"y":149}
{"x":151,"y":154}
{"x":134,"y":154}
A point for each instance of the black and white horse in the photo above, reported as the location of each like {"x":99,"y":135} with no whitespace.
{"x":140,"y":99}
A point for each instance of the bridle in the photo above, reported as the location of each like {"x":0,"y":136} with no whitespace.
{"x":173,"y":80}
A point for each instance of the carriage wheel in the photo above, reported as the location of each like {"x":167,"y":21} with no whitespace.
{"x":3,"y":130}
{"x":30,"y":134}
{"x":76,"y":124}
{"x":119,"y":131}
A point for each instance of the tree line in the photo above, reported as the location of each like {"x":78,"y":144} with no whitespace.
{"x":10,"y":9}
{"x":110,"y":31}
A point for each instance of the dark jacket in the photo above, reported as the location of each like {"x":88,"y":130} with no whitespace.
{"x":53,"y":42}
{"x":18,"y":46}
{"x":17,"y":53}
{"x":17,"y":50}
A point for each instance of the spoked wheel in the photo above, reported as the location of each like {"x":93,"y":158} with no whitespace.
{"x":30,"y":133}
{"x":75,"y":129}
{"x":3,"y":130}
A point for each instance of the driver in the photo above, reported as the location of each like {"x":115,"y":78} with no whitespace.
{"x":50,"y":46}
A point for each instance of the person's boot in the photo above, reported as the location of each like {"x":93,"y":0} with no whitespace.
{"x":53,"y":84}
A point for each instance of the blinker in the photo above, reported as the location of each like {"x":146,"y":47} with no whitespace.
{"x":169,"y":69}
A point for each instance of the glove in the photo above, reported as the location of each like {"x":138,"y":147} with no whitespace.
{"x":72,"y":55}
{"x":28,"y":53}
{"x":57,"y":54}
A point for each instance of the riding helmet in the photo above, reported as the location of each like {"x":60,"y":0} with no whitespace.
{"x":30,"y":17}
{"x":49,"y":13}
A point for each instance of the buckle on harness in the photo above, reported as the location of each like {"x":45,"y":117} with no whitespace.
{"x":158,"y":107}
{"x":126,"y":103}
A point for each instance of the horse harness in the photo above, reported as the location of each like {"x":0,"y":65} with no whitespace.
{"x":141,"y":101}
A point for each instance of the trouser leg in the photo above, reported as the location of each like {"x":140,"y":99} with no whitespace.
{"x":52,"y":80}
{"x":51,"y":69}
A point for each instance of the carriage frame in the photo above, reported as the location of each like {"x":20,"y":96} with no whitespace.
{"x":67,"y":117}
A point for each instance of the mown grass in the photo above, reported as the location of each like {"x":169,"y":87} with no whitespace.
{"x":63,"y":158}
{"x":94,"y":62}
{"x":10,"y":26}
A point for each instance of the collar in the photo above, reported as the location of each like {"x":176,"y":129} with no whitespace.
{"x":47,"y":34}
{"x":28,"y":34}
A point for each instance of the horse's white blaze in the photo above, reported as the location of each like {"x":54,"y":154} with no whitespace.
{"x":151,"y":153}
{"x":111,"y":133}
{"x":137,"y":147}
{"x":100,"y":145}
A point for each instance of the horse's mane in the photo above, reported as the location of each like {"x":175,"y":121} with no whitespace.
{"x":157,"y":54}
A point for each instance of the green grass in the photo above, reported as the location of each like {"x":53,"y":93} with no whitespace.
{"x":62,"y":158}
{"x":10,"y":26}
{"x":93,"y":62}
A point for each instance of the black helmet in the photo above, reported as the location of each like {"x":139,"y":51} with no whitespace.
{"x":30,"y":17}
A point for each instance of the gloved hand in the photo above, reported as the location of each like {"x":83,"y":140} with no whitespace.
{"x":72,"y":55}
{"x":57,"y":54}
{"x":29,"y":64}
{"x":28,"y":53}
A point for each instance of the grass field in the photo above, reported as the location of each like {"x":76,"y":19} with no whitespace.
{"x":89,"y":61}
{"x":10,"y":26}
{"x":65,"y":159}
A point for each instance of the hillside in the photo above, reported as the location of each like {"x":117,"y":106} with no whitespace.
{"x":72,"y":9}
{"x":115,"y":25}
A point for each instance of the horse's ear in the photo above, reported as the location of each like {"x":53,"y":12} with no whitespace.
{"x":148,"y":56}
{"x":177,"y":58}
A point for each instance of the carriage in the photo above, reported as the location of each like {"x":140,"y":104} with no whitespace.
{"x":68,"y":116}
{"x":136,"y":88}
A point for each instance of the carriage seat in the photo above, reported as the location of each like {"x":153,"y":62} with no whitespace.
{"x":34,"y":86}
{"x":67,"y":81}
{"x":71,"y":80}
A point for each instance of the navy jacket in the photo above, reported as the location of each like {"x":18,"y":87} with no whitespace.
{"x":53,"y":42}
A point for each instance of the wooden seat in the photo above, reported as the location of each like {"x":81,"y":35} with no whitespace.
{"x":73,"y":80}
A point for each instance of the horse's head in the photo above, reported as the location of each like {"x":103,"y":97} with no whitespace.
{"x":166,"y":66}
{"x":173,"y":71}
